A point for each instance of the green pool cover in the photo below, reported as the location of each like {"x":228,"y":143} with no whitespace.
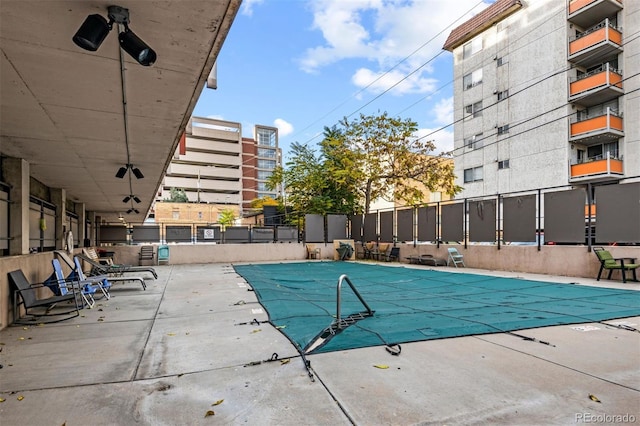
{"x":412,"y":304}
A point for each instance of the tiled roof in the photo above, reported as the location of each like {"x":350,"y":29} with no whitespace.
{"x":489,"y":16}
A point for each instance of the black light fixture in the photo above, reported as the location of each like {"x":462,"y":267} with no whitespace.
{"x":123,"y":171}
{"x":131,"y":197}
{"x":95,"y":28}
{"x":136,"y":172}
{"x":92,"y":32}
{"x":138,"y":49}
{"x":132,"y":210}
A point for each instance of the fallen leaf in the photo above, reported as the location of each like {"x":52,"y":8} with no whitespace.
{"x":381,"y":366}
{"x":257,"y":330}
{"x":171,"y":334}
{"x":285,"y":361}
{"x":20,"y":338}
{"x":100,"y":319}
{"x":209,"y":413}
{"x":2,"y":400}
{"x":594,"y":398}
{"x":20,"y":398}
{"x":218,"y":402}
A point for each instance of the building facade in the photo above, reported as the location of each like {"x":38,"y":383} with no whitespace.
{"x":260,"y":156}
{"x":546,"y":94}
{"x":216,"y":166}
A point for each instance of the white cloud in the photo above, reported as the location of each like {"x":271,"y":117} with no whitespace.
{"x":443,"y":111}
{"x":379,"y":82}
{"x":247,"y":6}
{"x":384,"y":32}
{"x":284,"y":128}
{"x":443,"y":139}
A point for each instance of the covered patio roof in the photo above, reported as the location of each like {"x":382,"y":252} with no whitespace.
{"x":78,"y":116}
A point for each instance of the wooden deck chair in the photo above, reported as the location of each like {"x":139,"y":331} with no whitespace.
{"x":90,"y":256}
{"x":607,"y":261}
{"x":455,"y":257}
{"x":46,"y":310}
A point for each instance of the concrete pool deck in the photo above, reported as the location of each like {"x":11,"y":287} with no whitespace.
{"x":167,"y":355}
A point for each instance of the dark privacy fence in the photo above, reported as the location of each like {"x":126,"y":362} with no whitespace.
{"x":553,"y":216}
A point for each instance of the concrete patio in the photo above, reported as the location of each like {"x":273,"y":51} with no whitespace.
{"x":167,"y":355}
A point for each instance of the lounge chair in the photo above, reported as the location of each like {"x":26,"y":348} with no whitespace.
{"x":61,"y":285}
{"x":426,"y":259}
{"x":91,"y":257}
{"x":105,"y":279}
{"x":455,"y":257}
{"x":607,"y":261}
{"x":33,"y":306}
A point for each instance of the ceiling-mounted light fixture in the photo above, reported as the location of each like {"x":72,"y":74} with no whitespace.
{"x":131,"y":210}
{"x":95,"y":28}
{"x":123,"y":171}
{"x":131,"y":197}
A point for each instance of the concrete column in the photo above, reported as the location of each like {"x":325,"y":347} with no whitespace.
{"x":59,"y":199}
{"x":16,"y":173}
{"x":92,"y":218}
{"x":82,"y":224}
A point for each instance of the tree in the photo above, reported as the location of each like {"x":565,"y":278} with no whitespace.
{"x":365,"y":159}
{"x":258,"y":203}
{"x":391,"y":162}
{"x":177,"y":195}
{"x":227,"y":217}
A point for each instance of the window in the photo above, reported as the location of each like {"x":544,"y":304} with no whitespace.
{"x":472,"y":79}
{"x":471,"y":48}
{"x":264,"y":174}
{"x":474,"y":142}
{"x":473,"y":175}
{"x":266,"y":137}
{"x":266,"y":153}
{"x":503,"y":129}
{"x":504,"y":164}
{"x":474,"y":109}
{"x":502,"y":60}
{"x":267,"y":164}
{"x":503,"y":95}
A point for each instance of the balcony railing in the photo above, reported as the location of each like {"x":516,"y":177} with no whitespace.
{"x":585,"y":12}
{"x":596,"y":87}
{"x":598,"y":169}
{"x":595,"y":43}
{"x":600,"y":129}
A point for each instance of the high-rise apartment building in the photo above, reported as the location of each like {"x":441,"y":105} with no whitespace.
{"x":260,"y":156}
{"x":214,"y":164}
{"x":547,"y":93}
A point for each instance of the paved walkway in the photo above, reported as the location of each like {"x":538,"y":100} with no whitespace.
{"x":176,"y":353}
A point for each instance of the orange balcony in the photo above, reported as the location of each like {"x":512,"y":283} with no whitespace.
{"x":597,"y":87}
{"x":586,"y":12}
{"x":598,"y":170}
{"x":601,"y":129}
{"x":595,"y":43}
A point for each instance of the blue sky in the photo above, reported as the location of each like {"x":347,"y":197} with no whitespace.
{"x":301,"y":65}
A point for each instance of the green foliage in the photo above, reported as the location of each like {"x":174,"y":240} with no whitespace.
{"x":365,"y":159}
{"x":264,"y":201}
{"x":226,"y":217}
{"x":177,"y":195}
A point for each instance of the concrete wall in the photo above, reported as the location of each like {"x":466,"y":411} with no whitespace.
{"x":552,"y":260}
